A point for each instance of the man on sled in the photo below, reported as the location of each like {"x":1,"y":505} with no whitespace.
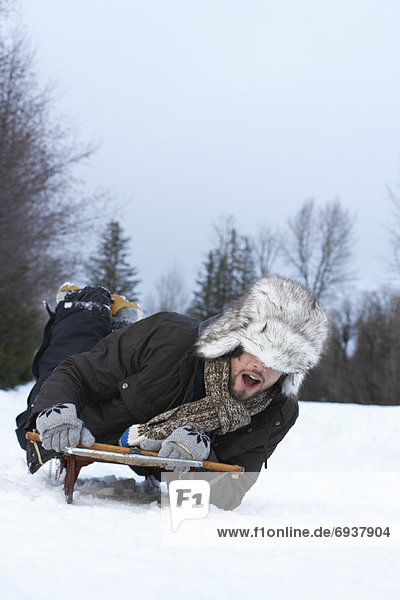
{"x":224,"y":390}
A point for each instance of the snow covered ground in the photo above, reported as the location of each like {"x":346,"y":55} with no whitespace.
{"x":339,"y":465}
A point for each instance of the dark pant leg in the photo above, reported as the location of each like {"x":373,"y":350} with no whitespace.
{"x":69,"y":331}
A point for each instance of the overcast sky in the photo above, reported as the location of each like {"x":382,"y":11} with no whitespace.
{"x":242,"y":107}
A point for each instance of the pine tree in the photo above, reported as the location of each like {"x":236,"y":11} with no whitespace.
{"x":20,"y":333}
{"x":245,"y":266}
{"x":225,"y":275}
{"x":109,"y":267}
{"x":205,"y":302}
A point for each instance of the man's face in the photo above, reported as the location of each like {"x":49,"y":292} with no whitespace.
{"x":249,"y":376}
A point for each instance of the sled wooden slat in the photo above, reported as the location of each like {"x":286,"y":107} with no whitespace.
{"x":73,"y":463}
{"x":207,"y":464}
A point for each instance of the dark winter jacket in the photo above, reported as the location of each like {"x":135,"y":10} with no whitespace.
{"x":146,"y":368}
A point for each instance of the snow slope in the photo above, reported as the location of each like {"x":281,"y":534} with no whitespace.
{"x":338,"y":466}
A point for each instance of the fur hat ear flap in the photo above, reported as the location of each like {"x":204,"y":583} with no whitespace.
{"x":292,"y":383}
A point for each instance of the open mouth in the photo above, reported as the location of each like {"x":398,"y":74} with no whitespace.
{"x":250,"y":381}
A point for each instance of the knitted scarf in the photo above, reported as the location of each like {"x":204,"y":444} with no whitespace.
{"x":217,"y":411}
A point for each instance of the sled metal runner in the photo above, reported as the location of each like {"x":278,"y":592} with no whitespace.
{"x":73,"y":459}
{"x":134,"y":458}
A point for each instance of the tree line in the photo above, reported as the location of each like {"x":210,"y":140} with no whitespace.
{"x":362,"y":361}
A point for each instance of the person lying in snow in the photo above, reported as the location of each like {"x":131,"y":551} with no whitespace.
{"x":224,"y":389}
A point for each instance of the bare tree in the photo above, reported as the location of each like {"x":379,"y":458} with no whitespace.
{"x":363,"y":358}
{"x":394,"y":232}
{"x":376,"y":361}
{"x":171,"y":292}
{"x":318,"y":246}
{"x":344,"y":320}
{"x":266,"y":248}
{"x":41,"y":200}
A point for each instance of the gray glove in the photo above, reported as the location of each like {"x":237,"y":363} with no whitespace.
{"x":59,"y":427}
{"x":184,"y":442}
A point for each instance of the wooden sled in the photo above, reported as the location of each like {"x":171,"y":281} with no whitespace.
{"x":74,"y":459}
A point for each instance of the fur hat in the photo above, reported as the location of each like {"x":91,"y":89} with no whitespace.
{"x":279,"y":321}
